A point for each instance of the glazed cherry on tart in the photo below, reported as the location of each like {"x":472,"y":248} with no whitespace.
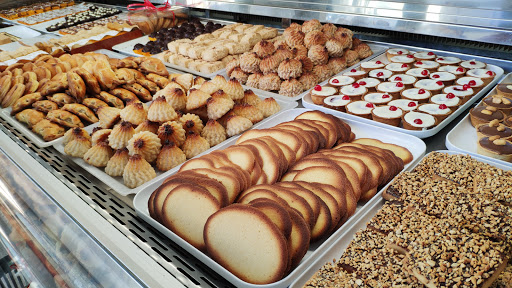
{"x":355,"y":85}
{"x":345,"y":97}
{"x":421,"y":91}
{"x":385,"y":96}
{"x":435,"y":76}
{"x":419,"y":63}
{"x":335,"y":81}
{"x":418,"y":121}
{"x":472,"y":63}
{"x":370,"y":105}
{"x":392,"y":108}
{"x":405,"y":65}
{"x":440,"y":83}
{"x":362,"y":83}
{"x":380,"y":74}
{"x":440,"y":59}
{"x":318,"y":88}
{"x":411,"y":104}
{"x":353,"y":70}
{"x":490,"y":73}
{"x":410,"y":56}
{"x":378,"y":62}
{"x":450,"y":95}
{"x":465,"y":87}
{"x":399,"y":84}
{"x":398,"y":78}
{"x":424,"y":72}
{"x":460,"y":69}
{"x":400,"y":52}
{"x":443,"y":106}
{"x":472,"y":83}
{"x":430,"y":53}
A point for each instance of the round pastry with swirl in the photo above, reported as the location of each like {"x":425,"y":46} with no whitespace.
{"x":137,"y":171}
{"x":249,"y":62}
{"x":342,"y":30}
{"x":291,"y":88}
{"x":239,"y":75}
{"x":300,"y":51}
{"x":213,"y":132}
{"x":352,"y":57}
{"x":319,"y":54}
{"x":363,"y":50}
{"x":120,"y":135}
{"x":169,"y":157}
{"x":264,"y":48}
{"x":270,"y":82}
{"x":329,"y":30}
{"x":283,"y":52}
{"x":323,"y":72}
{"x":98,"y":155}
{"x":161,"y":111}
{"x":311,"y":25}
{"x":78,"y":146}
{"x":316,"y":37}
{"x":307,"y":64}
{"x":192,"y":122}
{"x":116,"y":164}
{"x":308,"y":80}
{"x":194,"y":145}
{"x":145,"y":144}
{"x":236,"y":125}
{"x":270,"y":64}
{"x":289,"y":68}
{"x":294,"y":38}
{"x":337,"y":64}
{"x":334,"y":47}
{"x":254,"y":79}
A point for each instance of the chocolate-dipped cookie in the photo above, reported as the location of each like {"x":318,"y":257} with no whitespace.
{"x":495,"y":147}
{"x":494,"y":128}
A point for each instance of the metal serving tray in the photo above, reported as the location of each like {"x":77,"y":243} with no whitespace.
{"x":463,"y":138}
{"x":415,"y":145}
{"x":308,"y":103}
{"x":338,"y":247}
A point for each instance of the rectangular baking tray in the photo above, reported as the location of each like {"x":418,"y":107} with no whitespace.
{"x":20,"y":31}
{"x":362,"y":130}
{"x":463,"y":136}
{"x":116,"y":183}
{"x":308,"y":103}
{"x":28,"y":41}
{"x":338,"y":247}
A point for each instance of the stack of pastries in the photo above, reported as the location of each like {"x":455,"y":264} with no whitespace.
{"x":211,"y":52}
{"x":187,"y":117}
{"x":51,"y":94}
{"x":303,"y":56}
{"x":297,"y":182}
{"x":413,"y":90}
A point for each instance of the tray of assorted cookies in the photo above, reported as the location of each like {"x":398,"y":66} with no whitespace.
{"x":417,"y":93}
{"x":487,"y":130}
{"x":302,"y":177}
{"x":429,"y":228}
{"x":305,"y":55}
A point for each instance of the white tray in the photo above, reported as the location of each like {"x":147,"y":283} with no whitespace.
{"x":127,"y":47}
{"x":116,"y":183}
{"x":308,"y":103}
{"x":415,"y":145}
{"x":336,"y":250}
{"x":20,"y":31}
{"x":463,"y":136}
{"x":28,"y":41}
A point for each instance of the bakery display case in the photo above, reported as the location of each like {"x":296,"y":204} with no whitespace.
{"x":67,"y":222}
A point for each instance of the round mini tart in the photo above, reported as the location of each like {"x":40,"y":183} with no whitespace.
{"x":397,"y":68}
{"x":391,"y":88}
{"x":504,"y":89}
{"x":424,"y":55}
{"x":360,"y":108}
{"x":494,"y":128}
{"x":407,"y":59}
{"x":396,"y":52}
{"x":371,"y":65}
{"x":318,"y":93}
{"x":408,"y":80}
{"x":390,"y":115}
{"x":418,"y":121}
{"x":440,"y":111}
{"x":473,"y":64}
{"x":496,"y":148}
{"x":356,"y":74}
{"x":446,"y":77}
{"x":339,"y":81}
{"x":416,"y":94}
{"x":485,"y":114}
{"x":475,"y":83}
{"x":378,"y":98}
{"x":434,"y":86}
{"x":458,"y":71}
{"x":449,"y":100}
{"x":463,"y":91}
{"x":354,"y":91}
{"x":337,"y":102}
{"x":381,"y":74}
{"x":485,"y":74}
{"x":443,"y":61}
{"x":404,"y":104}
{"x":501,"y":103}
{"x":431,"y":66}
{"x":419,"y":73}
{"x":369,"y":83}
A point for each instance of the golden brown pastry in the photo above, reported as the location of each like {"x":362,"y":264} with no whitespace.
{"x":47,"y":129}
{"x":153,"y":65}
{"x":177,"y":99}
{"x":294,"y":37}
{"x":61,"y":99}
{"x":208,"y":87}
{"x":248,"y":111}
{"x":194,"y":145}
{"x":93,"y":103}
{"x":185,"y":80}
{"x":30,"y":117}
{"x":307,"y":64}
{"x":269,"y":106}
{"x":363,"y":50}
{"x":134,"y":113}
{"x":25,"y":101}
{"x":334,"y":47}
{"x":147,"y":126}
{"x":270,"y":82}
{"x":269,"y":64}
{"x":57,"y":84}
{"x":197,"y":98}
{"x":100,"y":135}
{"x":219,"y":81}
{"x":92,"y":85}
{"x":291,"y":88}
{"x":300,"y":51}
{"x":250,"y":98}
{"x":14,"y":94}
{"x":5,"y":86}
{"x":254,"y":79}
{"x":352,"y":57}
{"x":45,"y":106}
{"x":249,"y":62}
{"x":108,"y":116}
{"x":137,"y":172}
{"x":323,"y":72}
{"x":311,"y":25}
{"x":218,"y":105}
{"x":125,"y":76}
{"x":232,"y":65}
{"x":161,"y":111}
{"x":141,"y":92}
{"x":151,"y":86}
{"x":77,"y":86}
{"x":236,"y":125}
{"x":98,"y":155}
{"x":214,"y":132}
{"x":318,"y":54}
{"x":77,"y":147}
{"x":169,"y":157}
{"x":172,"y":131}
{"x":337,"y":64}
{"x":308,"y":80}
{"x":329,"y":30}
{"x":31,"y":86}
{"x":289,"y":68}
{"x":120,"y":135}
{"x":283,"y":52}
{"x":81,"y":111}
{"x":341,"y":31}
{"x":64,"y":118}
{"x":191,"y":122}
{"x":198,"y":80}
{"x":110,"y":99}
{"x":125,"y":95}
{"x":115,"y":165}
{"x":73,"y":133}
{"x":316,"y":37}
{"x":234,"y":89}
{"x":106,"y":77}
{"x":145,"y":144}
{"x":161,"y":81}
{"x":239,"y":75}
{"x":264,"y":48}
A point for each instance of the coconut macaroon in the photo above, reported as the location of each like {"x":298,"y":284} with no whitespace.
{"x":170,"y":156}
{"x":161,"y":111}
{"x":73,"y":133}
{"x":98,"y":155}
{"x":236,"y":125}
{"x":78,"y":146}
{"x":120,"y":135}
{"x":214,"y":132}
{"x":194,"y":145}
{"x":134,"y":113}
{"x":172,"y":131}
{"x":269,"y":106}
{"x":234,"y":89}
{"x":145,"y":144}
{"x":248,"y":111}
{"x":191,"y":122}
{"x":108,"y":116}
{"x":137,"y":171}
{"x":116,"y":164}
{"x":147,"y":126}
{"x":218,"y":105}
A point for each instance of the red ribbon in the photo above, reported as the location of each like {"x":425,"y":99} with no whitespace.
{"x":148,"y":5}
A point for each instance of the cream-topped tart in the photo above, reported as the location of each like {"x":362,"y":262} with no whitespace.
{"x":370,"y":65}
{"x":378,"y":98}
{"x":486,"y":74}
{"x":463,"y":91}
{"x":361,"y":108}
{"x":418,"y":121}
{"x":369,"y":83}
{"x":419,"y":73}
{"x":474,"y":82}
{"x":381,"y":74}
{"x":448,"y":60}
{"x":424,"y":55}
{"x":434,"y":86}
{"x":354,"y":91}
{"x":458,"y":71}
{"x":408,"y":80}
{"x":440,"y":111}
{"x":337,"y":102}
{"x":397,"y":67}
{"x":427,"y":64}
{"x":449,"y":100}
{"x":446,"y":77}
{"x":318,"y":93}
{"x":339,"y":81}
{"x":392,"y":88}
{"x":417,"y":94}
{"x":356,"y":74}
{"x":408,"y":59}
{"x":390,"y":115}
{"x":473,"y":64}
{"x":396,"y":52}
{"x":404,"y":104}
